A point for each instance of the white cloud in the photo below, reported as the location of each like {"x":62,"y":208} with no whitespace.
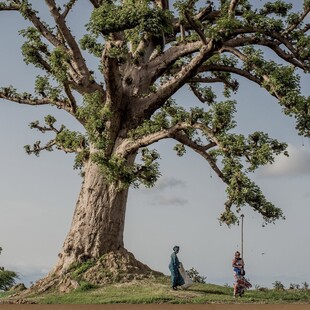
{"x":159,"y":192}
{"x":172,"y":201}
{"x":297,"y":164}
{"x":165,"y":183}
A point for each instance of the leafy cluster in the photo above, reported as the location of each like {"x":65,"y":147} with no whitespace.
{"x":89,"y":43}
{"x":65,"y":139}
{"x":195,"y":276}
{"x":7,"y":278}
{"x":94,"y":114}
{"x":45,"y":89}
{"x":116,"y":169}
{"x":33,"y":46}
{"x":109,"y":18}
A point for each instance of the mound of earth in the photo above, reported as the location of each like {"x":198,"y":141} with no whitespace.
{"x":113,"y":267}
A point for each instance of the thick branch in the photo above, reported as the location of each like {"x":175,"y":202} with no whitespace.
{"x":31,"y":15}
{"x":165,"y":60}
{"x":306,"y":28}
{"x":293,"y":58}
{"x":68,"y":7}
{"x":264,"y":76}
{"x":151,"y":103}
{"x":204,"y":12}
{"x":70,"y":97}
{"x":163,"y":4}
{"x":296,"y":23}
{"x":223,"y":68}
{"x":232,"y":7}
{"x":37,"y":148}
{"x":85,"y":77}
{"x":130,"y":146}
{"x":9,"y":7}
{"x":94,"y":3}
{"x":35,"y":101}
{"x":182,"y":138}
{"x":195,"y":27}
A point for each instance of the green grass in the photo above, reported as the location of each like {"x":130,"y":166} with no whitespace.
{"x":159,"y":291}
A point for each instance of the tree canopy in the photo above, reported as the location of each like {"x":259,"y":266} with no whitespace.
{"x":146,"y":52}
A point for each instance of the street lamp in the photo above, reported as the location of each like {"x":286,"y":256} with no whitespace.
{"x":242,"y":216}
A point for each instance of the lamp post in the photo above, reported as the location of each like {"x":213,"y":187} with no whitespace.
{"x":242,"y":216}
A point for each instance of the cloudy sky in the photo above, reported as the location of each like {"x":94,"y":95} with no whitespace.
{"x":38,"y":195}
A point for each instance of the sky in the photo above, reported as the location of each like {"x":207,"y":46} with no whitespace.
{"x":38,"y":194}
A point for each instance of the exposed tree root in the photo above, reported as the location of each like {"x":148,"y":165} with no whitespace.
{"x":113,"y":267}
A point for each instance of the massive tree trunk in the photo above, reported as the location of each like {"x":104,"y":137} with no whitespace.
{"x":95,"y":239}
{"x":98,"y":222}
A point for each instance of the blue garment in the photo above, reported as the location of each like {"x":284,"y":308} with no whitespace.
{"x":176,"y":278}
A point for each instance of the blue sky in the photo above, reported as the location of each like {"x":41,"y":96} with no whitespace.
{"x":38,"y":195}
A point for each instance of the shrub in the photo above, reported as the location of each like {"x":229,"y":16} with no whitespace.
{"x":278,"y":286}
{"x":7,"y":278}
{"x":194,"y":275}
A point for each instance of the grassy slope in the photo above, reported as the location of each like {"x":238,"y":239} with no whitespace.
{"x":159,"y":291}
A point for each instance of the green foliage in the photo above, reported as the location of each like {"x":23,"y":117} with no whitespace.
{"x":116,"y":170}
{"x":65,"y":139}
{"x":89,"y":43}
{"x":25,"y":7}
{"x":69,"y":139}
{"x":241,"y":190}
{"x":94,"y":113}
{"x":7,"y":278}
{"x":78,"y":269}
{"x":148,"y":172}
{"x":180,"y":149}
{"x":222,"y":116}
{"x":278,"y":286}
{"x":305,"y":286}
{"x":110,"y":17}
{"x":85,"y":286}
{"x":195,"y":276}
{"x":33,"y":47}
{"x":59,"y":63}
{"x":129,"y":24}
{"x":224,"y":27}
{"x":258,"y":150}
{"x":45,"y":89}
{"x":278,"y":7}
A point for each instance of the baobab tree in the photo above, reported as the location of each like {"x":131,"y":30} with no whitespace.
{"x":147,"y":51}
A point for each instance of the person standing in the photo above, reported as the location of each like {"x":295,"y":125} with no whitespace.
{"x":238,"y":265}
{"x":240,"y":283}
{"x":176,"y":278}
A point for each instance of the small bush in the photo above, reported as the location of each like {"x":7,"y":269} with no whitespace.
{"x":294,"y":286}
{"x":278,"y":286}
{"x":7,"y":278}
{"x":79,"y":269}
{"x":194,"y":275}
{"x":85,"y":286}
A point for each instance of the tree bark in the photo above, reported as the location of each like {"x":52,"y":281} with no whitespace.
{"x":95,"y":236}
{"x":98,"y":222}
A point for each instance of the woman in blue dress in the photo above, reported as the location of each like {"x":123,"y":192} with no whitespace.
{"x":176,"y":278}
